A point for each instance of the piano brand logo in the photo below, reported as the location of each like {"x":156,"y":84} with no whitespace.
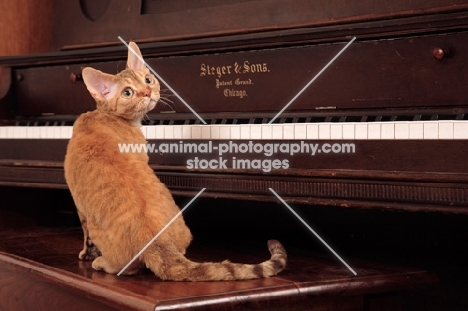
{"x":225,"y":154}
{"x":225,"y":76}
{"x":235,"y":68}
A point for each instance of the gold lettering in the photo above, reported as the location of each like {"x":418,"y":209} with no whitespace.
{"x":203,"y":70}
{"x":254,"y":68}
{"x":235,"y":93}
{"x":236,"y":68}
{"x":222,"y":83}
{"x":243,"y":82}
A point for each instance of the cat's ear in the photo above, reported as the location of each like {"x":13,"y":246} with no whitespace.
{"x":101,"y":85}
{"x":135,"y":60}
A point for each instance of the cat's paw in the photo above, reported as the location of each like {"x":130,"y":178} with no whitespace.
{"x":99,"y":264}
{"x":90,"y":251}
{"x":89,"y":254}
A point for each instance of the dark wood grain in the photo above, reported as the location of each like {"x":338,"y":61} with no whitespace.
{"x":217,"y":18}
{"x":27,"y":26}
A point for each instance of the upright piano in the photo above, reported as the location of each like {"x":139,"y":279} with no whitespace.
{"x":333,"y":105}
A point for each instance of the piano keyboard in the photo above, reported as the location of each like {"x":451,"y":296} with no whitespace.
{"x":313,"y":131}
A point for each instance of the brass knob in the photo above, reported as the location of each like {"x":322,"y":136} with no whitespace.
{"x":440,"y":53}
{"x":75,"y":77}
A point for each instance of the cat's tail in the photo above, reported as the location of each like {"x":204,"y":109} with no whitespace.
{"x":172,"y":265}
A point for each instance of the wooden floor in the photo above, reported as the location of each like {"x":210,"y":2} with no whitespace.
{"x":40,"y":270}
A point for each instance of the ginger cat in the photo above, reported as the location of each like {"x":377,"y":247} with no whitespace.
{"x":121,"y":203}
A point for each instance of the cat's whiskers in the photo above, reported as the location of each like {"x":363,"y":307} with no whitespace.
{"x":166,"y":102}
{"x":146,"y":118}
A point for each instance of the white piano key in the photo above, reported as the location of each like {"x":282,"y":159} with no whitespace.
{"x":60,"y":132}
{"x":460,"y":130}
{"x":336,"y":131}
{"x":373,"y":130}
{"x":431,"y":130}
{"x":360,"y":131}
{"x":312,"y":131}
{"x":32,"y":132}
{"x":445,"y":130}
{"x":67,"y":132}
{"x":255,"y":131}
{"x":57,"y":132}
{"x":186,"y":132}
{"x":416,"y":130}
{"x":168,"y":132}
{"x":288,"y":131}
{"x":214,"y":132}
{"x":300,"y":131}
{"x":50,"y":132}
{"x":196,"y":132}
{"x":324,"y":131}
{"x":402,"y":130}
{"x":387,"y":130}
{"x":225,"y":132}
{"x":244,"y":131}
{"x":159,"y":132}
{"x":12,"y":131}
{"x":277,"y":131}
{"x":20,"y":132}
{"x":3,"y":132}
{"x":205,"y":131}
{"x":177,"y":131}
{"x":267,"y":131}
{"x":151,"y":132}
{"x":348,"y":130}
{"x":43,"y":131}
{"x":235,"y":132}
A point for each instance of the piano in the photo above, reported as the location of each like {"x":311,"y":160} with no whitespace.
{"x":382,"y":129}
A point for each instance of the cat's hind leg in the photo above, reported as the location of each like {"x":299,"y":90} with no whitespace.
{"x":183,"y":236}
{"x":90,"y":250}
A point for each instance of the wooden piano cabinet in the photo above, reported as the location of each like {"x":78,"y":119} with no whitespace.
{"x":26,"y":27}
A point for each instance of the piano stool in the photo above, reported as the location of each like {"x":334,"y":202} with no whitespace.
{"x":40,"y":269}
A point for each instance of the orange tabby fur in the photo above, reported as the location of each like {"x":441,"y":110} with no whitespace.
{"x":121,"y":203}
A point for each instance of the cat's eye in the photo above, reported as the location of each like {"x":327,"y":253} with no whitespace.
{"x":149,"y":80}
{"x":127,"y":93}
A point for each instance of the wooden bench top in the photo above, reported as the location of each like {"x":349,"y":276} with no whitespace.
{"x":40,"y":266}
